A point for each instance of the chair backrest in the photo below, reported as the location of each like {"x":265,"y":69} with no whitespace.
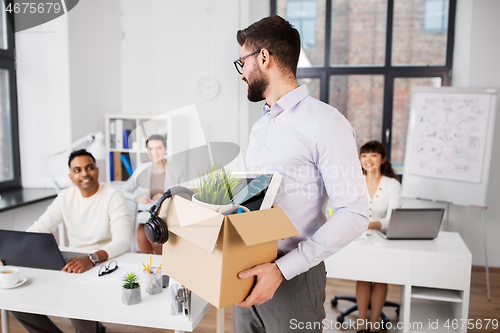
{"x":132,"y":208}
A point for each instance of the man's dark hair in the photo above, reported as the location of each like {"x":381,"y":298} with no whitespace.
{"x":276,"y":35}
{"x":157,"y":137}
{"x":80,"y":152}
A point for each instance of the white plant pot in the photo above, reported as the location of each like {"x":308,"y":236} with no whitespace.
{"x":131,"y":296}
{"x":215,"y":208}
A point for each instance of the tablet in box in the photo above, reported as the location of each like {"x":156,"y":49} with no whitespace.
{"x":206,"y":250}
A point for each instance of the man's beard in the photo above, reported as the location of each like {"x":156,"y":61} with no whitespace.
{"x":257,"y":87}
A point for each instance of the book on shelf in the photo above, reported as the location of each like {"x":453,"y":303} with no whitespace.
{"x":120,"y":166}
{"x":112,"y":134}
{"x":126,"y":134}
{"x":127,"y":164}
{"x":119,"y":135}
{"x":111,"y":168}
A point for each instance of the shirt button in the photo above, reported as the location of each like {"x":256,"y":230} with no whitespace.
{"x":370,"y":216}
{"x":370,"y":209}
{"x":263,"y":143}
{"x":272,"y":120}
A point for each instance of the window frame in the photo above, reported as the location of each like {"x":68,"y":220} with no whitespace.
{"x":8,"y":63}
{"x":389,"y":71}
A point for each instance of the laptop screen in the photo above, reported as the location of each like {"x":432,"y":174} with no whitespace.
{"x":30,"y":249}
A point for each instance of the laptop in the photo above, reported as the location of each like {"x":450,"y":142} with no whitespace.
{"x":32,"y":249}
{"x":414,"y":223}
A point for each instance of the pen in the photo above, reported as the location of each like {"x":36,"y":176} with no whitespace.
{"x":149,"y":264}
{"x":147,"y":270}
{"x":158,"y":269}
{"x":330,"y":211}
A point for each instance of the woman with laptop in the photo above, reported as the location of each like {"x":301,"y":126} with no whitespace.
{"x":384,"y":193}
{"x":148,"y":183}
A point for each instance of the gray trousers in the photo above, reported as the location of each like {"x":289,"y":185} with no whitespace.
{"x":297,"y":306}
{"x":36,"y":323}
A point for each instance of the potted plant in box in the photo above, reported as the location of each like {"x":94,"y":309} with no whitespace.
{"x":216,"y":188}
{"x":131,"y":293}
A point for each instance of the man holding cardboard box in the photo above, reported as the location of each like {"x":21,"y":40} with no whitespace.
{"x":313,"y":146}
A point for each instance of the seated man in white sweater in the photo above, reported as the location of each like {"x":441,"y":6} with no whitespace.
{"x":97,"y":221}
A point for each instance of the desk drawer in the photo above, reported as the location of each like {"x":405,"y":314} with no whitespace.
{"x":366,"y":266}
{"x":439,"y":272}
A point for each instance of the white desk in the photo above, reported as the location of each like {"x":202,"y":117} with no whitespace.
{"x":434,"y":275}
{"x":61,"y":294}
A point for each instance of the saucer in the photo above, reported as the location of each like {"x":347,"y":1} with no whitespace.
{"x":20,"y":282}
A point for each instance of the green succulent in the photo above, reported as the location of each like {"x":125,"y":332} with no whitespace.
{"x":218,"y":186}
{"x":130,"y":281}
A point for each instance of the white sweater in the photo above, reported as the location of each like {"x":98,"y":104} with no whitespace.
{"x":386,"y":198}
{"x":99,"y":222}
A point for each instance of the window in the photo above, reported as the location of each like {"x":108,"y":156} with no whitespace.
{"x":302,"y":14}
{"x":9,"y":140}
{"x":368,"y":54}
{"x":435,"y":16}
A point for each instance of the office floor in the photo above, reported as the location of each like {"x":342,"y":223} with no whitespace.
{"x":480,"y":308}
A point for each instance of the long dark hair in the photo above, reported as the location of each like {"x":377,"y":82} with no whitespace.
{"x":376,"y":147}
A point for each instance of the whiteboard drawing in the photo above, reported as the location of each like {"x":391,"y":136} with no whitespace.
{"x":447,"y":136}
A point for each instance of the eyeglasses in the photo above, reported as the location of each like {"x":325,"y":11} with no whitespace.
{"x":239,"y":65}
{"x":110,"y":268}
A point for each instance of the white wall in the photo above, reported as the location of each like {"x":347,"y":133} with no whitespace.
{"x":94,"y":35}
{"x":43,"y":96}
{"x":475,"y":64}
{"x":167,"y":50}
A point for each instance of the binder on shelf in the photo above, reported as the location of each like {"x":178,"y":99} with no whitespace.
{"x":126,"y":134}
{"x":112,"y":134}
{"x":119,"y":135}
{"x":117,"y":166}
{"x":127,"y":164}
{"x":111,"y":171}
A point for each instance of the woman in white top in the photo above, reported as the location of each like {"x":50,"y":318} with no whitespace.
{"x":148,"y":183}
{"x":384,"y":194}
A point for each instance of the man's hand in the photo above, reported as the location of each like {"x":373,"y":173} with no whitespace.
{"x":269,"y":278}
{"x":78,"y":265}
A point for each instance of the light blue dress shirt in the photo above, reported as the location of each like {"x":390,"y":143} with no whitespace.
{"x":313,"y":146}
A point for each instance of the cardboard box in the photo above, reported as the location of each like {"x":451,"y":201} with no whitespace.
{"x":206,"y":250}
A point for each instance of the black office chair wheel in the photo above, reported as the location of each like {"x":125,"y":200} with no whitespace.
{"x":334,"y":302}
{"x":340,"y":319}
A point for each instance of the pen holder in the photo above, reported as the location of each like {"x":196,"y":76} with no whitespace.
{"x":153,"y":281}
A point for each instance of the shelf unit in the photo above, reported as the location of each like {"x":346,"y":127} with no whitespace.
{"x":141,"y":126}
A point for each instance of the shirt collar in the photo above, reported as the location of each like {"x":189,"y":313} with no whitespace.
{"x":288,"y":101}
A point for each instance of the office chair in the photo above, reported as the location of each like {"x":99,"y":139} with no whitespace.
{"x":341,"y":317}
{"x":132,"y":208}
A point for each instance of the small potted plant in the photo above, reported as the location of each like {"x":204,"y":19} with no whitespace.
{"x":216,"y":188}
{"x":131,"y":293}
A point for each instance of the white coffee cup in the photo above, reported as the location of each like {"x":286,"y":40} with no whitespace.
{"x":8,"y":276}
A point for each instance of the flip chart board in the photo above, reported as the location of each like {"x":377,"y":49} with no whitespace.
{"x":449,"y":144}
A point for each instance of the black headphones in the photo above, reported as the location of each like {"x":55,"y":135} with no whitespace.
{"x":156,"y":229}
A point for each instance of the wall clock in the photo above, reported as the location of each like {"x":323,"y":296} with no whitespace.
{"x":208,"y":88}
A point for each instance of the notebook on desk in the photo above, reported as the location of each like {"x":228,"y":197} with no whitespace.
{"x":32,"y":249}
{"x":414,"y":223}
